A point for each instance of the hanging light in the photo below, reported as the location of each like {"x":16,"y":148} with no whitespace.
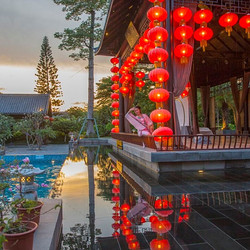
{"x":116,"y":182}
{"x":159,"y":75}
{"x":183,"y":51}
{"x":115,"y":78}
{"x":148,"y":47}
{"x":153,"y":218}
{"x":127,"y":232}
{"x":162,"y":131}
{"x":115,"y":198}
{"x":156,"y":244}
{"x":114,"y":60}
{"x":203,"y":17}
{"x":114,"y":69}
{"x":125,"y":207}
{"x":228,"y":20}
{"x":115,"y":113}
{"x":160,"y":115}
{"x":130,"y":238}
{"x":138,"y":48}
{"x":136,"y":55}
{"x":116,"y":191}
{"x":158,"y":34}
{"x":184,"y":93}
{"x":127,"y":77}
{"x":183,"y":33}
{"x":143,"y":41}
{"x":134,"y":245}
{"x":143,"y":220}
{"x":140,"y":84}
{"x":245,"y":24}
{"x":115,"y":105}
{"x":124,"y":90}
{"x":115,"y":234}
{"x":115,"y":122}
{"x":116,"y":173}
{"x":157,"y":14}
{"x":115,"y":96}
{"x":157,"y":55}
{"x":115,"y":130}
{"x":140,"y":74}
{"x":115,"y":86}
{"x":182,"y":15}
{"x":158,"y":95}
{"x":161,"y":226}
{"x":202,"y":35}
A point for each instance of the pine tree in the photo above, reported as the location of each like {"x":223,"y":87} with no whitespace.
{"x":47,"y":82}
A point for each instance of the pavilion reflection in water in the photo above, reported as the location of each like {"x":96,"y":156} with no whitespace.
{"x":185,"y":210}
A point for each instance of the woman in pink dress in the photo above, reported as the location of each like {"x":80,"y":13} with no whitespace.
{"x":140,"y":121}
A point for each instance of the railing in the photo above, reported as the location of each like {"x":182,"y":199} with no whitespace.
{"x":187,"y":142}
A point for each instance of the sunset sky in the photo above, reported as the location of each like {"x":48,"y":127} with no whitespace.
{"x":23,"y":24}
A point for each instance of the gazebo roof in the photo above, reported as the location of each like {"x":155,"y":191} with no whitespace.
{"x":225,"y":56}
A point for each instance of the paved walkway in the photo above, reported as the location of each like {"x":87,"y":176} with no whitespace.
{"x":51,"y":149}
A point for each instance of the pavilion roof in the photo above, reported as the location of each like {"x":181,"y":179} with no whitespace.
{"x":225,"y":56}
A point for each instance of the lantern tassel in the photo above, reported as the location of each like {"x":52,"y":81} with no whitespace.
{"x":203,"y":44}
{"x":248,"y":32}
{"x":229,"y":29}
{"x":184,"y":60}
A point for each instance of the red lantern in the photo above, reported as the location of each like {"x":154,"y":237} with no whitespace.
{"x":153,"y":218}
{"x":203,"y":16}
{"x":157,"y":55}
{"x":151,"y":25}
{"x":116,"y":208}
{"x":153,"y":1}
{"x":116,"y":191}
{"x":114,"y":69}
{"x":183,"y":33}
{"x":140,"y":74}
{"x":140,"y":84}
{"x":115,"y":122}
{"x":183,"y":51}
{"x":143,"y":220}
{"x":115,"y":105}
{"x":184,"y":93}
{"x":159,"y":244}
{"x":161,"y":226}
{"x":125,"y":207}
{"x":164,"y":213}
{"x":202,"y":35}
{"x":158,"y":75}
{"x":115,"y":86}
{"x":245,"y":23}
{"x":115,"y":130}
{"x":114,"y":60}
{"x":143,"y":41}
{"x":182,"y":15}
{"x":132,"y":60}
{"x":115,"y":234}
{"x":127,"y":232}
{"x":162,"y":131}
{"x":157,"y":14}
{"x":160,"y":115}
{"x":115,"y":198}
{"x":124,"y":90}
{"x":116,"y":173}
{"x":116,"y":182}
{"x":116,"y":226}
{"x":158,"y":95}
{"x":127,"y":77}
{"x":115,"y":78}
{"x":130,"y":238}
{"x":134,"y":245}
{"x":228,"y":20}
{"x":149,"y":47}
{"x":115,"y":113}
{"x":138,"y":48}
{"x":115,"y":96}
{"x":127,"y":223}
{"x":116,"y":217}
{"x":136,"y":55}
{"x":158,"y":34}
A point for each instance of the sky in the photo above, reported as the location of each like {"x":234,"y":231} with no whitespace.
{"x":23,"y":24}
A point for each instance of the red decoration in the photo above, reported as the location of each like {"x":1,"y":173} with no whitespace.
{"x":116,"y":182}
{"x":159,"y":75}
{"x":125,"y":207}
{"x":127,"y":77}
{"x":115,"y":96}
{"x":115,"y":130}
{"x":115,"y":105}
{"x":183,"y":51}
{"x":115,"y":78}
{"x":161,"y":226}
{"x":164,"y":213}
{"x":115,"y":198}
{"x":143,"y":220}
{"x":160,"y":115}
{"x":138,"y":48}
{"x":158,"y":95}
{"x":143,"y":41}
{"x":157,"y":55}
{"x":157,"y":14}
{"x":158,"y":34}
{"x":203,"y":16}
{"x":127,"y":223}
{"x":140,"y":84}
{"x":161,"y":204}
{"x":202,"y":35}
{"x":124,"y":90}
{"x":116,"y":226}
{"x":114,"y":60}
{"x":159,"y":244}
{"x":182,"y":15}
{"x":160,"y":1}
{"x":140,"y":74}
{"x":134,"y":245}
{"x":115,"y":234}
{"x":127,"y":232}
{"x":116,"y":191}
{"x":115,"y":113}
{"x":153,"y":218}
{"x":116,"y":217}
{"x":245,"y":23}
{"x":115,"y":86}
{"x":114,"y":69}
{"x":136,"y":55}
{"x":149,"y":47}
{"x":130,"y":238}
{"x":162,"y":131}
{"x":183,"y":33}
{"x":116,"y":173}
{"x":116,"y":208}
{"x":184,"y":93}
{"x":228,"y":20}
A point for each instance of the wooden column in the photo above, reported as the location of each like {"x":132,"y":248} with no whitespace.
{"x":212,"y":114}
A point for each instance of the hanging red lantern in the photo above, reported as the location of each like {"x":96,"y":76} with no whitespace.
{"x":125,"y":207}
{"x":115,"y":78}
{"x":115,"y":113}
{"x":158,"y":95}
{"x":202,"y":35}
{"x":116,"y":182}
{"x":143,"y":41}
{"x":161,"y":226}
{"x":114,"y":60}
{"x":127,"y":77}
{"x":115,"y":198}
{"x":153,"y":1}
{"x":160,"y":115}
{"x":149,"y":47}
{"x":127,"y":223}
{"x":184,"y":93}
{"x":130,"y":238}
{"x":245,"y":24}
{"x":153,"y":218}
{"x":134,"y":245}
{"x":115,"y":105}
{"x":115,"y":86}
{"x":203,"y":17}
{"x":116,"y":217}
{"x":143,"y":220}
{"x":115,"y":96}
{"x":138,"y":48}
{"x":140,"y":74}
{"x":158,"y":34}
{"x":159,"y":244}
{"x":182,"y":15}
{"x":114,"y":69}
{"x":116,"y":208}
{"x":228,"y":20}
{"x":157,"y":14}
{"x":152,"y":25}
{"x":164,"y":213}
{"x":115,"y":130}
{"x":183,"y":33}
{"x":132,"y":60}
{"x":116,"y":173}
{"x":161,"y":204}
{"x":140,"y":84}
{"x":183,"y":51}
{"x":136,"y":55}
{"x":127,"y":232}
{"x":157,"y":56}
{"x":116,"y":226}
{"x":116,"y":191}
{"x":115,"y":234}
{"x":162,"y":131}
{"x":159,"y":75}
{"x":124,"y":90}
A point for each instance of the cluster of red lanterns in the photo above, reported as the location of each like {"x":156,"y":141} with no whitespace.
{"x":140,"y":83}
{"x":158,"y":55}
{"x":185,"y":210}
{"x":116,"y":199}
{"x":184,"y":32}
{"x":115,"y":94}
